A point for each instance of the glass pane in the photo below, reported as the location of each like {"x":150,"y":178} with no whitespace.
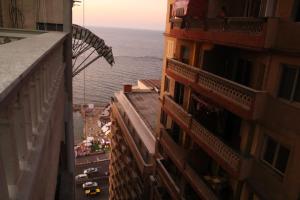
{"x":282,"y":159}
{"x":297,"y":91}
{"x":167,"y":84}
{"x":269,"y":150}
{"x":287,"y":81}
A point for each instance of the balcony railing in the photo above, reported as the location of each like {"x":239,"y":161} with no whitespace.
{"x":200,"y":186}
{"x":227,"y":24}
{"x":177,"y":111}
{"x":231,"y":160}
{"x":231,"y":90}
{"x":236,"y":24}
{"x":31,"y":93}
{"x":244,"y":32}
{"x":178,"y":156}
{"x":183,"y":70}
{"x":176,"y":153}
{"x":237,"y":98}
{"x":167,"y":180}
{"x":208,"y":140}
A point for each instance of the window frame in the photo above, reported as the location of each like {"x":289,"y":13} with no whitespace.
{"x":274,"y":160}
{"x":295,"y":81}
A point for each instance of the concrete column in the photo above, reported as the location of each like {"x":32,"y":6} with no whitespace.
{"x":26,"y":105}
{"x":19,"y":130}
{"x":8,"y":149}
{"x":45,"y":88}
{"x":38,"y":97}
{"x":33,"y":107}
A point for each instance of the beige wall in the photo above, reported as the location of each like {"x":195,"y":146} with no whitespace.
{"x":50,"y":11}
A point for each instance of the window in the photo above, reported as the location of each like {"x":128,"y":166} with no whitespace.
{"x":163,"y":118}
{"x":275,"y":155}
{"x":290,"y":83}
{"x":296,"y":11}
{"x":185,"y":54}
{"x":179,"y":93}
{"x":167,"y":84}
{"x":175,"y":132}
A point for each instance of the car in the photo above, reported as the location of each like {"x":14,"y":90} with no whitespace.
{"x":90,"y":170}
{"x":89,"y":184}
{"x":81,"y":177}
{"x":93,"y":191}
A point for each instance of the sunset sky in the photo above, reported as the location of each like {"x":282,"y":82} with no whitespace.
{"x":140,"y":14}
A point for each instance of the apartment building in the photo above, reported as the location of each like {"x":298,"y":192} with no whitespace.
{"x":230,"y":96}
{"x":134,"y":119}
{"x":36,"y":131}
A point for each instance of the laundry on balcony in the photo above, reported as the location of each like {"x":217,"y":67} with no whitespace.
{"x":190,"y":8}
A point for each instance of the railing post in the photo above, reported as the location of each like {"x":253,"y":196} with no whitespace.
{"x":25,"y":101}
{"x":33,"y":107}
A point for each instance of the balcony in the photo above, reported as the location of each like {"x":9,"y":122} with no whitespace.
{"x":167,"y":180}
{"x":239,"y":99}
{"x":176,"y":153}
{"x":32,"y":103}
{"x":202,"y":189}
{"x":233,"y":162}
{"x":176,"y":111}
{"x":245,"y":32}
{"x":186,"y":72}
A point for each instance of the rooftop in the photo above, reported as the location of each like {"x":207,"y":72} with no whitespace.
{"x":141,"y":107}
{"x":147,"y":105}
{"x":149,"y":83}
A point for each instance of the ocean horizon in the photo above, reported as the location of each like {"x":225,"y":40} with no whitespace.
{"x":138,"y":55}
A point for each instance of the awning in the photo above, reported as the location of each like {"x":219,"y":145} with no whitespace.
{"x":84,"y":41}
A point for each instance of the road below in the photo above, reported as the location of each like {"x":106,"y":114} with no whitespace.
{"x":99,"y":161}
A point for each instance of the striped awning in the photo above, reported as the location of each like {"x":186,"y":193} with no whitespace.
{"x":87,"y":43}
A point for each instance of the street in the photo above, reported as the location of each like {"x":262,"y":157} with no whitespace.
{"x":101,"y":162}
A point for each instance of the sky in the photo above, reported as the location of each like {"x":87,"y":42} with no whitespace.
{"x":136,"y":14}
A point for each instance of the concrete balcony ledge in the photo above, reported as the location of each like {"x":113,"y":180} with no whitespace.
{"x":232,"y":161}
{"x":244,"y":32}
{"x":178,"y":155}
{"x":167,"y":180}
{"x":239,"y":99}
{"x":187,"y":72}
{"x":203,"y":190}
{"x":18,"y":59}
{"x":176,"y":111}
{"x":175,"y":151}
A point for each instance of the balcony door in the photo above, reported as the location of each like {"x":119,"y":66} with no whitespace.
{"x":175,"y":132}
{"x":179,"y":93}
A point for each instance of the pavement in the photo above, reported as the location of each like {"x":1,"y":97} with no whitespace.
{"x":101,"y":162}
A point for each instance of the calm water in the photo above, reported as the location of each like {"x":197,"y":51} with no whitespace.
{"x":138,"y":55}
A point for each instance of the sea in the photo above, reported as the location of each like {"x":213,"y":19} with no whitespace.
{"x":138,"y":55}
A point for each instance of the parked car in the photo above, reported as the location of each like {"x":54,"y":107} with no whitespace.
{"x":93,"y":191}
{"x":81,"y":177}
{"x":91,"y":170}
{"x":88,"y":185}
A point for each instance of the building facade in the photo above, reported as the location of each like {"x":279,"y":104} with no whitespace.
{"x":230,"y":96}
{"x":36,"y":124}
{"x":133,"y":143}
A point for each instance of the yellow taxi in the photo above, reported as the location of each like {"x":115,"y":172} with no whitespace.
{"x":92,"y":191}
